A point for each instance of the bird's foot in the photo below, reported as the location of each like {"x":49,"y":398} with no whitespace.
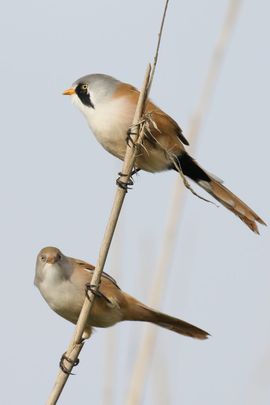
{"x":93,"y":289}
{"x":64,"y":358}
{"x":134,"y":171}
{"x":124,"y":185}
{"x":129,"y":139}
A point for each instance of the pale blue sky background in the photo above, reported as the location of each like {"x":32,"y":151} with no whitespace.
{"x":58,"y":184}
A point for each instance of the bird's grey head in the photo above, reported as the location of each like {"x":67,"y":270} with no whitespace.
{"x":95,"y":88}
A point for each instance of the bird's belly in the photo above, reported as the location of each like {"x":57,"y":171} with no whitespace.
{"x":104,"y":314}
{"x":152,"y":160}
{"x":113,"y":141}
{"x":149,"y":158}
{"x":105,"y":320}
{"x":111,"y":131}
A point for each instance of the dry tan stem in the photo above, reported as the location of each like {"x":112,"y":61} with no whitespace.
{"x":158,"y":46}
{"x":110,"y":352}
{"x":145,"y":351}
{"x":76,"y":344}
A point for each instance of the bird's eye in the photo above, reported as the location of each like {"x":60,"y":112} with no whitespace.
{"x":43,"y":258}
{"x":84,"y":86}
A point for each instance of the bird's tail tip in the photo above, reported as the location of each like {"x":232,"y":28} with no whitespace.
{"x":213,"y":185}
{"x":234,"y":204}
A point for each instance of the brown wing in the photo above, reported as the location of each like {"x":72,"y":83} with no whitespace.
{"x":161,"y":119}
{"x":91,"y":268}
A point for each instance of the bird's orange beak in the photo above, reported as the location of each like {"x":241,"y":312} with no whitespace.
{"x":69,"y":92}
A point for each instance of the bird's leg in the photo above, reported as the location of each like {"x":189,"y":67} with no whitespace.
{"x":97,"y":293}
{"x":122,"y":184}
{"x":62,"y":365}
{"x":129,"y":137}
{"x":135,"y":171}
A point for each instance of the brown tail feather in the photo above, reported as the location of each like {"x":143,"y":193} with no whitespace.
{"x":232,"y":202}
{"x":142,"y":313}
{"x":213,"y":186}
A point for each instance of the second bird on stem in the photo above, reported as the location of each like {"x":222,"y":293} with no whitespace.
{"x":64,"y":281}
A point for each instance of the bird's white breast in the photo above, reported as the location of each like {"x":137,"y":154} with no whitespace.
{"x":109,"y":122}
{"x":61,"y":295}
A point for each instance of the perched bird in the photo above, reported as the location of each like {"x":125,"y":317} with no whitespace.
{"x":109,"y":106}
{"x":63,"y":283}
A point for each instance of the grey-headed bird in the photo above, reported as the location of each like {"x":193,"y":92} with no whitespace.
{"x":109,"y":106}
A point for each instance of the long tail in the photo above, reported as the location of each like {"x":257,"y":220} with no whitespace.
{"x":140,"y":312}
{"x":215,"y":187}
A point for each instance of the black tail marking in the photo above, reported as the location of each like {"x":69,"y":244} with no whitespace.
{"x":191,"y":169}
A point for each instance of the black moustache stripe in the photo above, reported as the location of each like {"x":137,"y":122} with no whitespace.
{"x":84,"y":96}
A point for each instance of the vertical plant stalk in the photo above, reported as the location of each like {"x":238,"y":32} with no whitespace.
{"x":143,"y":358}
{"x":110,"y":352}
{"x":158,"y":44}
{"x":109,"y":377}
{"x":77,"y":340}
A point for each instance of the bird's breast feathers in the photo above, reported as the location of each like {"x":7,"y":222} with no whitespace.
{"x":57,"y":292}
{"x":109,"y":122}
